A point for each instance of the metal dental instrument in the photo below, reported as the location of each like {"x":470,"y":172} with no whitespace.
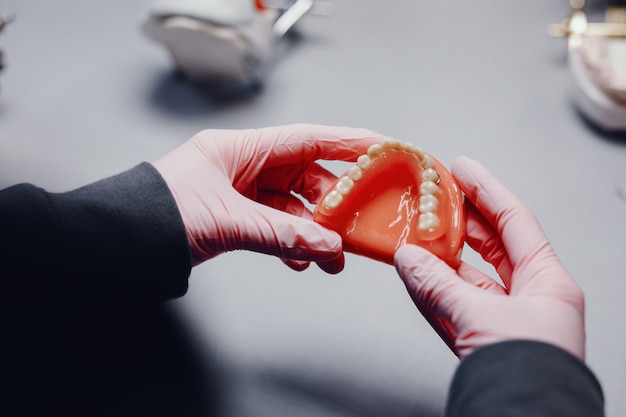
{"x":291,"y":16}
{"x":577,"y":25}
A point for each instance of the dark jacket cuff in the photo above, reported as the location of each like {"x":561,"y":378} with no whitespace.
{"x":524,"y":378}
{"x":122,"y":231}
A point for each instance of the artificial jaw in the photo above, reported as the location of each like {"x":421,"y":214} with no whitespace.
{"x":395,"y":195}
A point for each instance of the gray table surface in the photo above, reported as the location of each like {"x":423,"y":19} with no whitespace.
{"x":86,"y":95}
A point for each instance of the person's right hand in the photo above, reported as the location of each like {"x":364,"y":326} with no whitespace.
{"x":539,"y":300}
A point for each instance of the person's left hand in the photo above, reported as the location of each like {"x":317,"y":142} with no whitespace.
{"x":235,"y":190}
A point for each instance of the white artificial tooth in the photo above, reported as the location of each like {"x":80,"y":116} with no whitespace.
{"x":375,"y":151}
{"x":392,"y":144}
{"x":344,"y":185}
{"x":333,"y":199}
{"x":428,"y":203}
{"x":429,"y":187}
{"x":407,"y":147}
{"x":430,"y":174}
{"x":355,"y":173}
{"x":428,"y":221}
{"x":364,"y":162}
{"x":417,"y":150}
{"x":427,"y":162}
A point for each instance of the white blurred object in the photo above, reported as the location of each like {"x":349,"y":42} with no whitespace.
{"x":224,"y":40}
{"x":598,"y":90}
{"x":597,"y":62}
{"x":5,"y":19}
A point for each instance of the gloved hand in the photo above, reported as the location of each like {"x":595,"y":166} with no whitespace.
{"x":234,"y":190}
{"x":538,"y":299}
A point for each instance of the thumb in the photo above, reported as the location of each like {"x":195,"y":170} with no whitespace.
{"x":267,"y":230}
{"x":434,"y":287}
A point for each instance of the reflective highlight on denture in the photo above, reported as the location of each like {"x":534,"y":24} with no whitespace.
{"x":394,"y":195}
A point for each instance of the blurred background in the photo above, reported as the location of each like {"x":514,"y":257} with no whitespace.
{"x":86,"y":94}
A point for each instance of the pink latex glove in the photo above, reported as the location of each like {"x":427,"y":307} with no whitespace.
{"x":234,"y":190}
{"x":539,"y":300}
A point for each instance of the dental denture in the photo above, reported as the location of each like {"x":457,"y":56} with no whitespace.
{"x":395,"y":195}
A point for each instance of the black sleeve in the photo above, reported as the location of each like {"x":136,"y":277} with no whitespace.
{"x":524,"y":378}
{"x":124,"y":230}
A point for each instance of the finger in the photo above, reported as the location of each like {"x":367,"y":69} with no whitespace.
{"x":484,"y":239}
{"x":307,"y":142}
{"x":294,"y":206}
{"x":521,"y":234}
{"x":288,"y":203}
{"x":300,"y":144}
{"x":296,"y":265}
{"x":434,"y":287}
{"x":310,"y":181}
{"x":333,"y":266}
{"x":315,"y":181}
{"x":266,"y":230}
{"x":479,"y":279}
